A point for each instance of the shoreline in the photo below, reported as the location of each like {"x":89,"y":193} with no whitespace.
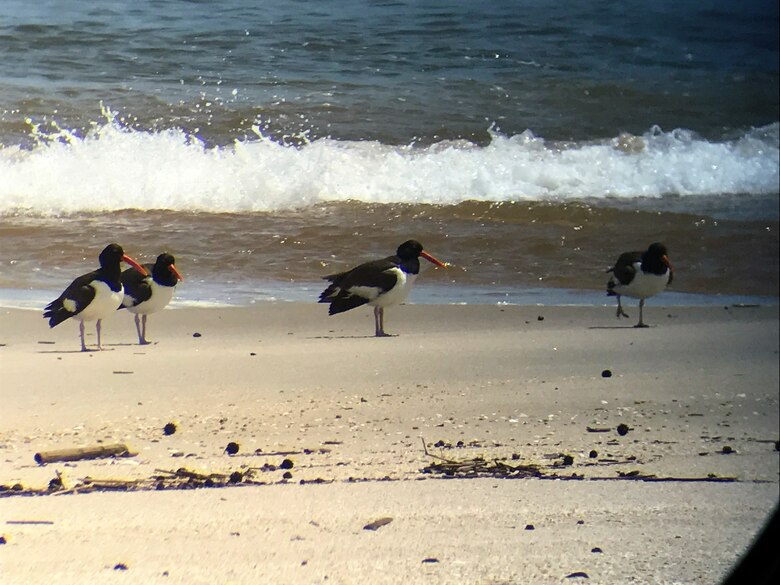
{"x":697,"y":393}
{"x":252,"y":294}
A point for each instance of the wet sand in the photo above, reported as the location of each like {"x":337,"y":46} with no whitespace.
{"x":675,"y":498}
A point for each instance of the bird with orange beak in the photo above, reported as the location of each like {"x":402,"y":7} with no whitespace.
{"x":149,"y":294}
{"x":95,"y":295}
{"x":640,"y":275}
{"x":380,"y":283}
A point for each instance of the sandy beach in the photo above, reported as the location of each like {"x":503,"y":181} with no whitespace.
{"x":488,"y":435}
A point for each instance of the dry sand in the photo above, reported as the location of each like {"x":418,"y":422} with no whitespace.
{"x":698,"y":393}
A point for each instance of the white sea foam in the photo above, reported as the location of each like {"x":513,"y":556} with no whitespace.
{"x":115,"y":167}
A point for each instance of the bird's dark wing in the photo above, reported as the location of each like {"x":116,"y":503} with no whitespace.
{"x":138,"y":288}
{"x":624,"y":270}
{"x":72,"y":301}
{"x":371,"y":274}
{"x":348,"y":289}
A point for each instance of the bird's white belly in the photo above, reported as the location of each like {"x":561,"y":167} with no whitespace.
{"x":643,"y":285}
{"x":104,"y":304}
{"x":161,"y":296}
{"x":397,"y":294}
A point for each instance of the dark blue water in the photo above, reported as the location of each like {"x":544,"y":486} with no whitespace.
{"x":393,"y":71}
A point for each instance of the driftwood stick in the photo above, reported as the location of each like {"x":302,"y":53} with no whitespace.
{"x":110,"y":483}
{"x":184,"y":473}
{"x":425,"y":449}
{"x":78,"y":453}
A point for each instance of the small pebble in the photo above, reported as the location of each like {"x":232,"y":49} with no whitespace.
{"x":596,"y":549}
{"x":593,"y":454}
{"x":287,"y":475}
{"x":529,"y":527}
{"x":540,"y":318}
{"x":169,"y":429}
{"x":286,"y":464}
{"x":430,"y":560}
{"x":3,"y":539}
{"x":120,"y":567}
{"x":232,"y":448}
{"x":568,"y":460}
{"x":727,"y":450}
{"x":606,"y":373}
{"x":196,"y":334}
{"x":622,"y":429}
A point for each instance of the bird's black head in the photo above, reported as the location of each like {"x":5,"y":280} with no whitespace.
{"x":164,"y":270}
{"x":165,"y":259}
{"x":656,"y":259}
{"x":657,"y":250}
{"x":409,"y":249}
{"x":111,"y":256}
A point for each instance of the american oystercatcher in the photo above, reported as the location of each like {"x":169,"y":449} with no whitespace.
{"x":640,"y":275}
{"x":381,"y":283}
{"x":149,"y":294}
{"x":93,"y":296}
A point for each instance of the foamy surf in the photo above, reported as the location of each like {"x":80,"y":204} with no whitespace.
{"x":113,"y":166}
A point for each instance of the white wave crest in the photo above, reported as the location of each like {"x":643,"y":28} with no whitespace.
{"x":115,"y":167}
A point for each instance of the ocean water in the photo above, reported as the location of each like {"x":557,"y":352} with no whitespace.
{"x":268,"y":144}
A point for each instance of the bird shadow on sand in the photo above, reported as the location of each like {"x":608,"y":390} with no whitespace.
{"x":621,"y":327}
{"x":91,"y":350}
{"x":350,"y":336}
{"x":63,"y":351}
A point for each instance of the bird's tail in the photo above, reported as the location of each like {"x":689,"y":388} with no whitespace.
{"x":56,"y":313}
{"x":329,"y":293}
{"x":340,"y":300}
{"x":345,"y":303}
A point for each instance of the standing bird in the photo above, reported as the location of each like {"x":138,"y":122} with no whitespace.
{"x":149,"y":294}
{"x":640,"y":275}
{"x":93,"y":296}
{"x":381,"y":283}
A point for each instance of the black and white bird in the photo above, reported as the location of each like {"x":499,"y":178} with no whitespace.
{"x":149,"y":294}
{"x":640,"y":275}
{"x":380,"y":283}
{"x":93,"y":296}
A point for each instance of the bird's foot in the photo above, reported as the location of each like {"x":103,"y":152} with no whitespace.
{"x":144,"y":342}
{"x":641,"y":325}
{"x":621,"y":313}
{"x":383,"y":334}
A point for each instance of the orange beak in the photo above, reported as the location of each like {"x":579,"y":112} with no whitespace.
{"x":176,"y":272}
{"x":432,"y":260}
{"x":135,"y":265}
{"x":665,"y":260}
